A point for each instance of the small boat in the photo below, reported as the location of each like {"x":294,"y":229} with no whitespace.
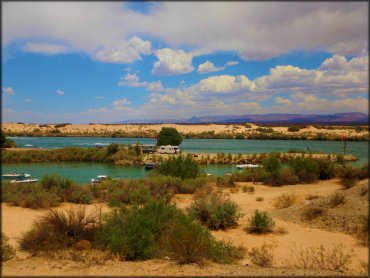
{"x":243,"y":166}
{"x":22,"y":180}
{"x":16,"y":175}
{"x":149,"y":166}
{"x":99,"y":179}
{"x":28,"y":145}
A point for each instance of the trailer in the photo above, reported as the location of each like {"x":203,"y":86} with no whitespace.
{"x":169,"y":149}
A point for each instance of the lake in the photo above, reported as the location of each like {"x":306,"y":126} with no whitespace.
{"x":82,"y":172}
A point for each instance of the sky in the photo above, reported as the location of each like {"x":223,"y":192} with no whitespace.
{"x":108,"y":62}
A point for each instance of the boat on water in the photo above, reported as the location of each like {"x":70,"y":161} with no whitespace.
{"x":22,"y":180}
{"x":149,"y":166}
{"x":16,"y":175}
{"x":28,"y":145}
{"x":244,"y":166}
{"x":99,"y":179}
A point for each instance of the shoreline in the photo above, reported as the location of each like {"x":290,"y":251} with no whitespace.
{"x":191,"y":131}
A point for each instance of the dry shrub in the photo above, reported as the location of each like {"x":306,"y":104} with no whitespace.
{"x":348,"y":183}
{"x":281,"y":230}
{"x":7,"y":251}
{"x":248,"y":189}
{"x":234,"y":190}
{"x":89,"y":257}
{"x":261,"y":256}
{"x":336,"y":199}
{"x":320,"y":258}
{"x":57,"y":230}
{"x":82,"y":245}
{"x":311,"y":213}
{"x":285,"y":201}
{"x":363,"y":190}
{"x":363,"y":231}
{"x":259,"y":199}
{"x":203,"y":192}
{"x":311,"y":196}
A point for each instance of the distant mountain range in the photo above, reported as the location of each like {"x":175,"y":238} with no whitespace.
{"x":337,"y":118}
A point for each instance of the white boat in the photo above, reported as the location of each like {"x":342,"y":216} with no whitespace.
{"x":16,"y":175}
{"x":28,"y":145}
{"x":98,"y":179}
{"x":29,"y":180}
{"x":243,"y":166}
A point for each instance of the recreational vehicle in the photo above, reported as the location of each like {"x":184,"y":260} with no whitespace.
{"x":169,"y":149}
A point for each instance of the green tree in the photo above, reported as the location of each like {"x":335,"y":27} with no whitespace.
{"x":169,"y":136}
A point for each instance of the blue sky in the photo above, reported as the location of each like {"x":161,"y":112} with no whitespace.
{"x":83,"y":62}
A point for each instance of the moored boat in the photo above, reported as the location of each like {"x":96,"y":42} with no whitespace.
{"x":22,"y":180}
{"x":15,"y":175}
{"x":149,"y":166}
{"x":243,"y":166}
{"x":99,"y":179}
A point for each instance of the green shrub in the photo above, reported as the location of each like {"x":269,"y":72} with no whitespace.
{"x":112,"y":148}
{"x":293,"y":128}
{"x":7,"y":251}
{"x":184,"y":168}
{"x":306,"y":170}
{"x":216,"y":212}
{"x":260,"y":222}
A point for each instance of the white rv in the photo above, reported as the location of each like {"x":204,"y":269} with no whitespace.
{"x":169,"y":149}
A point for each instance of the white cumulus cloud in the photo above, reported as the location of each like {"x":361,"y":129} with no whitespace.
{"x":125,"y":51}
{"x":172,"y":62}
{"x":208,"y":67}
{"x":59,"y":92}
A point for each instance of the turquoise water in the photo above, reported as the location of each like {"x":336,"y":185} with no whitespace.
{"x":358,"y":149}
{"x":83,"y":172}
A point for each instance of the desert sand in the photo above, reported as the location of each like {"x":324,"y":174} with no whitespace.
{"x":155,"y":128}
{"x":16,"y":220}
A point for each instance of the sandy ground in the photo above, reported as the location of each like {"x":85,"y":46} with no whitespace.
{"x":16,"y":220}
{"x":154,"y":129}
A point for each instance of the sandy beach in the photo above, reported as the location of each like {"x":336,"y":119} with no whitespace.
{"x":17,"y":220}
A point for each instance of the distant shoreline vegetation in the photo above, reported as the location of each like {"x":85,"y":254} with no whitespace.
{"x":128,"y":155}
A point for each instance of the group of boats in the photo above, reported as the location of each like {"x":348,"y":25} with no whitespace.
{"x":19,"y":177}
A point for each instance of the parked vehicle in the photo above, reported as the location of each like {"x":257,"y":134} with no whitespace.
{"x":169,"y":149}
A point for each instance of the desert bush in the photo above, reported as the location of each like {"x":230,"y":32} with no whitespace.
{"x":326,"y":169}
{"x":285,"y":201}
{"x":311,"y":213}
{"x":7,"y":251}
{"x":261,"y":256}
{"x":216,"y":212}
{"x":305,"y":169}
{"x":202,"y":192}
{"x":348,"y":183}
{"x":363,"y":231}
{"x":112,"y":148}
{"x":157,"y":229}
{"x":57,"y":230}
{"x":89,"y":257}
{"x":311,"y":196}
{"x":259,"y":199}
{"x":363,"y":190}
{"x":179,"y":167}
{"x":336,"y":199}
{"x":225,"y":181}
{"x":293,"y":128}
{"x":320,"y":258}
{"x":285,"y":176}
{"x":260,"y":222}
